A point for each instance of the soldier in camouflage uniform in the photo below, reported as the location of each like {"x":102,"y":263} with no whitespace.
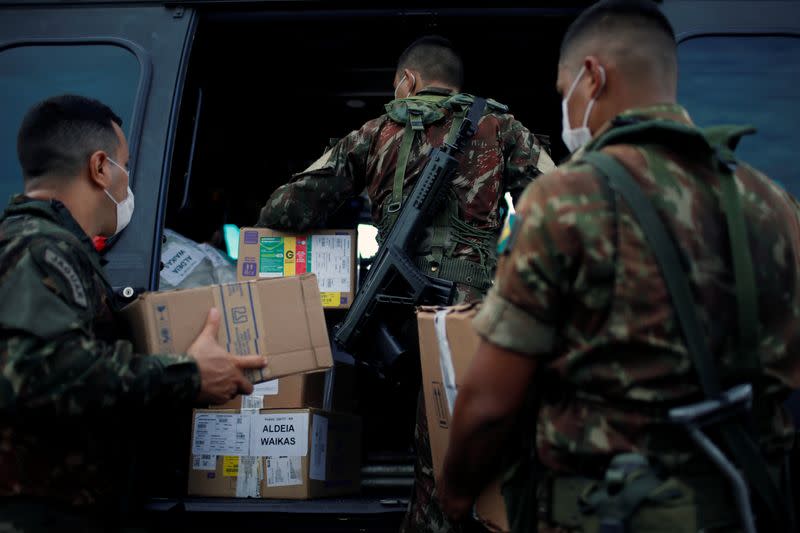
{"x":579,"y":298}
{"x":385,"y":157}
{"x":71,"y":390}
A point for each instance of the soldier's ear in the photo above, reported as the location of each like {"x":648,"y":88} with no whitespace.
{"x":100,"y":169}
{"x":596,"y":74}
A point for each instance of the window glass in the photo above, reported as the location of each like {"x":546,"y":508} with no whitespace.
{"x":748,"y":80}
{"x":30,"y":74}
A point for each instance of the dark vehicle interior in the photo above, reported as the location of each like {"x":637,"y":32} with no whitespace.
{"x":266,"y":92}
{"x":276,"y":87}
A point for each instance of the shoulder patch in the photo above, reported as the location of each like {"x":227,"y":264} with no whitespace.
{"x":55,"y":260}
{"x":509,"y":234}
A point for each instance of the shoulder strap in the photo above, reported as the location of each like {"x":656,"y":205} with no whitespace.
{"x":740,"y":443}
{"x":748,"y":363}
{"x":414,"y":125}
{"x":400,"y":172}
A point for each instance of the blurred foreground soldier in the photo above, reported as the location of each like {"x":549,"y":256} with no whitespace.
{"x":386,"y":156}
{"x":652,"y":271}
{"x":70,"y":389}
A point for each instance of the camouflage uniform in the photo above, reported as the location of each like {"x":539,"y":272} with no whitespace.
{"x":503,"y":156}
{"x":71,"y":394}
{"x":580,"y":291}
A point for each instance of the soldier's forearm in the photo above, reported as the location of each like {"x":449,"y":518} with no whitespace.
{"x":81,"y":376}
{"x":294,"y":207}
{"x":476,"y":436}
{"x":489,"y":399}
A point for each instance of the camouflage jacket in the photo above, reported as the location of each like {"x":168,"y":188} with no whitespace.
{"x":503,"y":156}
{"x":579,"y":290}
{"x":70,"y":391}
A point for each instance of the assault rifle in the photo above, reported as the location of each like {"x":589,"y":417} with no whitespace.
{"x":394,"y":281}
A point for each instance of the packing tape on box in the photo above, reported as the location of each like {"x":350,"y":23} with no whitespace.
{"x":249,"y":476}
{"x":445,"y":358}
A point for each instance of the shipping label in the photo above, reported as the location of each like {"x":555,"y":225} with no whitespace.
{"x":284,"y":471}
{"x":278,"y":435}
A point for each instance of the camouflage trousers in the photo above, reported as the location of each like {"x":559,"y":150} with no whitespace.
{"x":424,"y":515}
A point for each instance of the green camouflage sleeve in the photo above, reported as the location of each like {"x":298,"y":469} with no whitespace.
{"x":536,"y":271}
{"x":52,"y":362}
{"x":313,"y":194}
{"x":525,"y":156}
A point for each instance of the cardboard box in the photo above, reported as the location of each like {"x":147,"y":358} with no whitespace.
{"x":290,"y":392}
{"x":331,"y":390}
{"x":284,"y":454}
{"x":330,"y":254}
{"x":281,"y":318}
{"x":462,"y":341}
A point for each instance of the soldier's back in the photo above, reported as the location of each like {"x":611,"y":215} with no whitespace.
{"x":620,"y":359}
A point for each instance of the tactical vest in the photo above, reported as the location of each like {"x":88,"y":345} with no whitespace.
{"x":448,"y":228}
{"x":633,"y":497}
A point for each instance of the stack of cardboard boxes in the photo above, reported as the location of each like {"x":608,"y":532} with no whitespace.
{"x":288,"y":439}
{"x":275,"y":453}
{"x":293,"y":438}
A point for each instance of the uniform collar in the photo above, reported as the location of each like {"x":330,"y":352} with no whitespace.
{"x":667,"y":112}
{"x":671,"y":112}
{"x":436,"y":91}
{"x":56,"y":212}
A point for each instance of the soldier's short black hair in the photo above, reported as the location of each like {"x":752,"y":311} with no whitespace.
{"x":58,"y":135}
{"x":435,"y":58}
{"x":612,"y":18}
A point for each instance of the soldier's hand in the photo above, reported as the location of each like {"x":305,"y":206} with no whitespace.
{"x":220,"y":372}
{"x":455,"y":506}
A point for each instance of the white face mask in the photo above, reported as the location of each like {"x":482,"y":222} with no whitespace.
{"x":125,"y":207}
{"x":414,"y":81}
{"x":574,"y":138}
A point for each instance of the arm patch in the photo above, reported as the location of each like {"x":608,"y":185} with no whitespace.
{"x":509,"y":234}
{"x":63,"y":267}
